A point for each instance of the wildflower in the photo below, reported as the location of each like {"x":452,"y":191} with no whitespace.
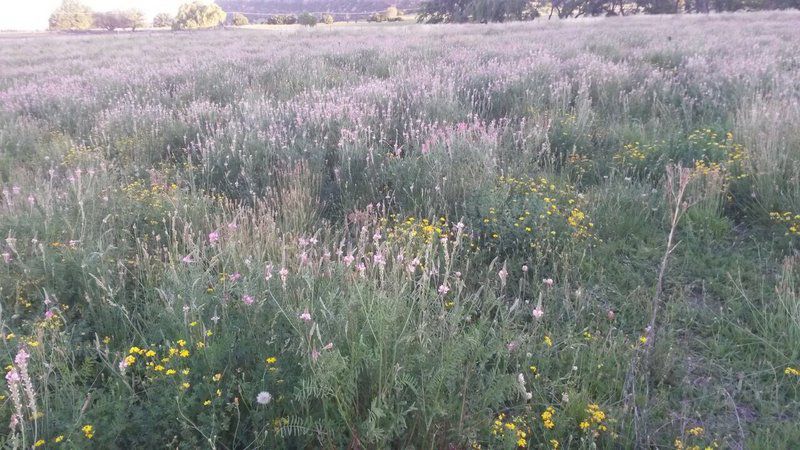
{"x":268,"y":272}
{"x":537,"y":312}
{"x":503,"y":275}
{"x":305,"y":316}
{"x":548,"y":282}
{"x":263,"y":398}
{"x":187,"y":259}
{"x":213,"y":237}
{"x":248,"y":300}
{"x":234,"y":277}
{"x":39,"y":443}
{"x":554,"y":443}
{"x":207,"y":402}
{"x":185,"y":385}
{"x":610,"y":314}
{"x":171,"y":372}
{"x":184,"y":353}
{"x":696,"y":431}
{"x":6,"y":257}
{"x":181,"y":343}
{"x":150,"y":353}
{"x":643,"y":339}
{"x":272,"y":360}
{"x":58,"y":438}
{"x":443,"y":289}
{"x":217,"y":377}
{"x":791,"y":371}
{"x":88,"y":431}
{"x":548,"y":341}
{"x":584,"y":425}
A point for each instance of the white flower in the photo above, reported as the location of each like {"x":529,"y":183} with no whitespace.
{"x":263,"y":398}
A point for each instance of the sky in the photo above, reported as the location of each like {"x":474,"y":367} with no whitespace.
{"x":33,"y":14}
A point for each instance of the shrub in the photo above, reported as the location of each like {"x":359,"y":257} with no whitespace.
{"x":199,"y":15}
{"x":240,"y":20}
{"x":327,"y":19}
{"x":307,"y":19}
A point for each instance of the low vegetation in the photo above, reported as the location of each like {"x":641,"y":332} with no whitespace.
{"x":533,"y":235}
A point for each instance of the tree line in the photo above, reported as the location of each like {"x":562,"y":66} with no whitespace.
{"x":460,"y":11}
{"x":74,"y":15}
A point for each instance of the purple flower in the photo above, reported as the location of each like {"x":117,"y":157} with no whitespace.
{"x":213,"y":237}
{"x":248,"y":299}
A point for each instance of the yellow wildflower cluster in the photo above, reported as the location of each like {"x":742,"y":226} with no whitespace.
{"x":792,"y":371}
{"x":412,"y":230}
{"x":534,"y":211}
{"x":166,"y":364}
{"x":720,"y":156}
{"x":595,"y":421}
{"x":547,"y":418}
{"x":788,"y":219}
{"x":516,"y":427}
{"x":580,"y":164}
{"x":633,"y":155}
{"x":88,"y":431}
{"x":154,"y":198}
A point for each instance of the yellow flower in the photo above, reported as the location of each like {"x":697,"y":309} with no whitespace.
{"x":209,"y":333}
{"x":130,"y":360}
{"x":272,"y":360}
{"x":88,"y":431}
{"x":584,"y":425}
{"x":150,"y":354}
{"x":184,"y":353}
{"x":696,"y":431}
{"x":134,"y":350}
{"x":58,"y":438}
{"x":219,"y":393}
{"x":643,"y":339}
{"x":554,"y":443}
{"x":10,"y":336}
{"x":181,"y":343}
{"x":200,"y":345}
{"x":185,"y":371}
{"x":33,"y":343}
{"x":791,"y":371}
{"x":185,"y":385}
{"x":548,"y":341}
{"x":193,"y":324}
{"x":159,"y":368}
{"x":207,"y":402}
{"x":217,"y":376}
{"x":171,"y":372}
{"x":39,"y":443}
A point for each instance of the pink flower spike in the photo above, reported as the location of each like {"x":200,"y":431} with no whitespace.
{"x":248,"y":299}
{"x":213,"y":237}
{"x":537,"y":312}
{"x":443,"y":289}
{"x":305,"y":316}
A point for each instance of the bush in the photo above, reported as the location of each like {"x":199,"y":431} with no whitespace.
{"x":163,"y":20}
{"x":307,"y":19}
{"x":71,"y":15}
{"x":199,"y":15}
{"x":327,"y":19}
{"x":240,"y":20}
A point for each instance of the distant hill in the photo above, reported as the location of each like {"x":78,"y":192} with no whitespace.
{"x":354,"y":8}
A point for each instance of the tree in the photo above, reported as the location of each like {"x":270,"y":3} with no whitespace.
{"x":327,"y":19}
{"x":240,"y":20}
{"x":134,"y":18}
{"x":198,"y":14}
{"x":307,"y":19}
{"x":163,"y":20}
{"x":71,"y":15}
{"x":441,"y":11}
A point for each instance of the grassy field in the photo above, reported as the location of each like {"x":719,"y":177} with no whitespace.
{"x":577,"y":234}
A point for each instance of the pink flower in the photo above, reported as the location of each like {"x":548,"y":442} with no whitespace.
{"x":247,"y":299}
{"x":232,"y":226}
{"x":12,"y":376}
{"x":314,"y":354}
{"x":234,"y":277}
{"x":328,"y":346}
{"x":511,"y":346}
{"x":49,"y":314}
{"x":444,"y":289}
{"x":213,"y":237}
{"x":187,"y":259}
{"x":537,"y":312}
{"x":7,"y":257}
{"x":525,"y":268}
{"x":305,"y":316}
{"x":548,"y":282}
{"x":22,"y":357}
{"x":503,"y":274}
{"x":348,"y":260}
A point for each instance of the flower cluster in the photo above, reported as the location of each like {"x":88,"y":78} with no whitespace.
{"x":532,"y":213}
{"x":789,"y":219}
{"x":508,"y":427}
{"x":716,"y":155}
{"x":412,"y":230}
{"x":595,"y":422}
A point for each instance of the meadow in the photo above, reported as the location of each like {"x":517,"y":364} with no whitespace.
{"x":567,"y":235}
